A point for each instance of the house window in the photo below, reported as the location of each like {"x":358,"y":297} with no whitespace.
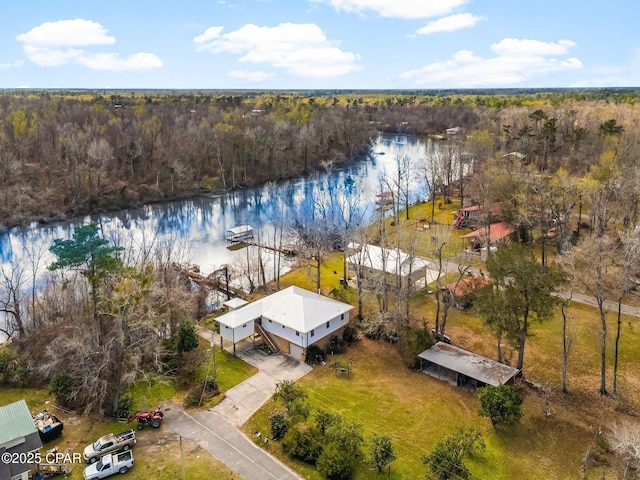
{"x":328,"y":323}
{"x":312,"y":332}
{"x":342,"y":317}
{"x":297,"y":333}
{"x":270,"y":321}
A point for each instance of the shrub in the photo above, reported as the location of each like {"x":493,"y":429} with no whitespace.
{"x":278,"y":424}
{"x":336,"y":345}
{"x":324,"y":420}
{"x":501,"y":404}
{"x":124,"y":408}
{"x":446,"y":460}
{"x":186,"y":338}
{"x":60,"y":387}
{"x":10,"y":369}
{"x":349,"y":335}
{"x":335,"y":462}
{"x":373,"y":326}
{"x":303,"y":441}
{"x":315,"y":355}
{"x":289,"y":393}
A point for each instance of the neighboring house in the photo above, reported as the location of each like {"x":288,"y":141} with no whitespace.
{"x":462,"y":293}
{"x":464,"y":368}
{"x":472,"y":216}
{"x":289,"y":321}
{"x":371,"y":260}
{"x":489,"y":236}
{"x":18,"y":434}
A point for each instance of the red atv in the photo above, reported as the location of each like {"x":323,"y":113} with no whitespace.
{"x":144,"y":418}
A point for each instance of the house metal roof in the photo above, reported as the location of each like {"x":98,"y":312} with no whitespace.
{"x":466,"y":285}
{"x":470,"y":364}
{"x":235,"y":303}
{"x":498,"y":231}
{"x":15,"y":422}
{"x":386,"y":260}
{"x":293,"y":307}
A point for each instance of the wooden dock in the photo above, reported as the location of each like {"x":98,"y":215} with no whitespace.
{"x":217,"y":280}
{"x":289,"y":250}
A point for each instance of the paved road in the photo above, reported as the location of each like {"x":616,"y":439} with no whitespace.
{"x":223,"y":440}
{"x":216,"y":430}
{"x":608,"y":305}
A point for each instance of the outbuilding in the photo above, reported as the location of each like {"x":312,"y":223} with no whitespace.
{"x":464,"y":368}
{"x":19,"y":437}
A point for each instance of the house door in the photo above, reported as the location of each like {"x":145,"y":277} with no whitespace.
{"x":296,"y":352}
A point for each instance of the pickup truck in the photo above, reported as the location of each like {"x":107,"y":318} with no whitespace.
{"x":110,"y":443}
{"x":108,"y":465}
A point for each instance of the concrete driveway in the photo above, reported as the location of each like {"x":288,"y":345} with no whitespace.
{"x":243,"y":400}
{"x":216,"y":430}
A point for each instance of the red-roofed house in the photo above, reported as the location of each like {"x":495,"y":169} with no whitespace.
{"x":494,"y":233}
{"x":462,"y":292}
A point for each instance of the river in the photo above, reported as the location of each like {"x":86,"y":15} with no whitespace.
{"x":199,"y":224}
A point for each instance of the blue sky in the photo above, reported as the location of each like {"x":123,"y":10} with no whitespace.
{"x":319,"y":44}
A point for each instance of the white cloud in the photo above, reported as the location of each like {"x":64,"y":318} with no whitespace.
{"x":450,"y":23}
{"x":516,"y":47}
{"x":466,"y":69}
{"x":208,"y":35}
{"x":53,"y":44}
{"x":11,"y":65}
{"x":258,"y":76}
{"x":299,"y":49}
{"x":408,"y":9}
{"x":67,"y":33}
{"x":112,"y":61}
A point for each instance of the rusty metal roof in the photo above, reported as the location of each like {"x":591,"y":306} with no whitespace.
{"x":470,"y":364}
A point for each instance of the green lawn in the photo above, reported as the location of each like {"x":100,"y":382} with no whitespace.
{"x":230,"y":370}
{"x":386,"y":397}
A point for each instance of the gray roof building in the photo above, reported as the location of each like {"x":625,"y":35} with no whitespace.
{"x":447,"y":362}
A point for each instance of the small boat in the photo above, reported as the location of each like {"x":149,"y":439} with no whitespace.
{"x":49,"y":426}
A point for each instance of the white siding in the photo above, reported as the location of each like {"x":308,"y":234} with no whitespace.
{"x":306,"y":339}
{"x":236,"y":334}
{"x":322,"y":331}
{"x":284,"y":332}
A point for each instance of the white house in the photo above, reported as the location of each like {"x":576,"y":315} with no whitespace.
{"x":389,"y":261}
{"x":289,"y":320}
{"x":18,"y":435}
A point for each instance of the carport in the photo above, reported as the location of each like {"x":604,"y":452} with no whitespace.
{"x":464,"y":368}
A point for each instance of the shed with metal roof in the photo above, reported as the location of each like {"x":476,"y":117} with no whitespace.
{"x":462,"y":367}
{"x":18,"y":434}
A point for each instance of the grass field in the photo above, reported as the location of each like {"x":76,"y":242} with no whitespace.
{"x":557,"y":431}
{"x":416,"y":410}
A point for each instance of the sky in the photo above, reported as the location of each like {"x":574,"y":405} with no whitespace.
{"x":319,"y":44}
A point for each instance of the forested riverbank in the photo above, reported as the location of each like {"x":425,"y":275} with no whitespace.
{"x":64,"y":154}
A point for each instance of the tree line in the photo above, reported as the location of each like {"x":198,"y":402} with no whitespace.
{"x":69,"y":153}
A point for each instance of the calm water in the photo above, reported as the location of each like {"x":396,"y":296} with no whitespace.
{"x":201,"y":223}
{"x":198,"y":225}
